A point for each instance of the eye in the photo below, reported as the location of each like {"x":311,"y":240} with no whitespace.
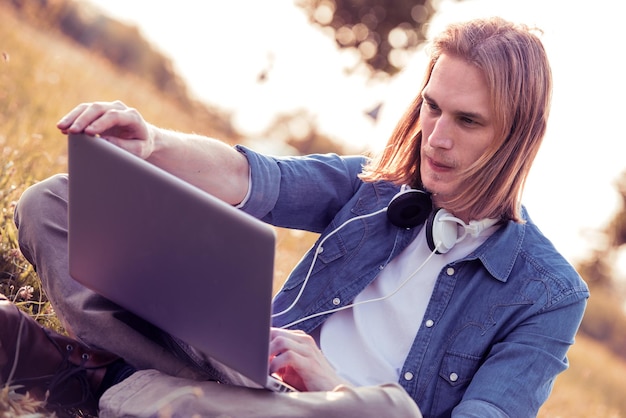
{"x":432,"y":107}
{"x":470,"y":121}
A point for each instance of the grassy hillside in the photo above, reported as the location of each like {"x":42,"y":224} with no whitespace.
{"x":593,"y":386}
{"x":42,"y":76}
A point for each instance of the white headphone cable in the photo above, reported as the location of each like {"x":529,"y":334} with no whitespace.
{"x":317,"y":252}
{"x":352,"y":305}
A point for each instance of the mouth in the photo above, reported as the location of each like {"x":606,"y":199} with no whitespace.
{"x":438,"y":166}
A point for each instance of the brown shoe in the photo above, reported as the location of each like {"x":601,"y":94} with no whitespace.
{"x":45,"y":363}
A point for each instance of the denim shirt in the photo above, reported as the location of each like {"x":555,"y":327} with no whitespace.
{"x":499,"y":322}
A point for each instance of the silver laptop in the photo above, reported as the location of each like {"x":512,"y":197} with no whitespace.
{"x":172,"y":254}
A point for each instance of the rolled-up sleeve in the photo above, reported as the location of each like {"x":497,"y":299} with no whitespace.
{"x":478,"y":409}
{"x":265,"y":176}
{"x":302,"y":192}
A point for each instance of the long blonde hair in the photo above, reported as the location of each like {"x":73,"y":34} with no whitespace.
{"x":518,"y":75}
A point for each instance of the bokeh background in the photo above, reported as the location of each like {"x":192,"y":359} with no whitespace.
{"x":260,"y":60}
{"x":295,"y":77}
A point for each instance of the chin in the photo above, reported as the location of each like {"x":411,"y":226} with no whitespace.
{"x":430,"y":187}
{"x":435,"y":187}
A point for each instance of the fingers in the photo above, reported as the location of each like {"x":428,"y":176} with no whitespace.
{"x":84,"y":114}
{"x":282,"y":340}
{"x":295,"y":357}
{"x":66,"y":122}
{"x":288,"y":348}
{"x":290,"y":353}
{"x":113,"y":119}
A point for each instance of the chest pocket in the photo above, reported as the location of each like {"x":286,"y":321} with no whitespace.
{"x":455,"y":375}
{"x":458,"y":369}
{"x":330,"y":251}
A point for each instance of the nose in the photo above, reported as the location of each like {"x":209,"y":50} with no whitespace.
{"x":441,"y":134}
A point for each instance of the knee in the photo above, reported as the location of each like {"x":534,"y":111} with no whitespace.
{"x":38,"y":199}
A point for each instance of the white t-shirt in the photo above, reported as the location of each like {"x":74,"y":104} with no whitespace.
{"x":368,"y":344}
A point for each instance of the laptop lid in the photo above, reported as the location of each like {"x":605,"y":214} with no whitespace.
{"x":171,"y":253}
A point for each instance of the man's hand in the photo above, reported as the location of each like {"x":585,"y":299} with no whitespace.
{"x":296,"y":359}
{"x":113,"y":121}
{"x":207,"y":163}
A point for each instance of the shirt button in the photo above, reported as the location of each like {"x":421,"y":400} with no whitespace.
{"x":320,"y":250}
{"x":381,"y":267}
{"x":336,"y":301}
{"x":450,"y":271}
{"x":408,"y":376}
{"x":454,"y":377}
{"x":429,"y":323}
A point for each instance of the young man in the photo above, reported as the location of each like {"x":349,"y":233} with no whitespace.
{"x":471,"y":313}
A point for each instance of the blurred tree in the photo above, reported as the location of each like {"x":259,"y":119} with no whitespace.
{"x":383,"y":32}
{"x":298,"y":131}
{"x":605,"y":319}
{"x":601,"y":268}
{"x":618,"y":224}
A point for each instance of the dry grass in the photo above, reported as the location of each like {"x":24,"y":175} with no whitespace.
{"x":593,"y":386}
{"x":13,"y":404}
{"x":42,"y":77}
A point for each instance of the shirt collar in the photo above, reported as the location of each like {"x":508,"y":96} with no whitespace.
{"x":499,"y":253}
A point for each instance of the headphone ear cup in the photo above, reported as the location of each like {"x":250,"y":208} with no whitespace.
{"x":409,"y":208}
{"x":429,"y":231}
{"x":441,"y":234}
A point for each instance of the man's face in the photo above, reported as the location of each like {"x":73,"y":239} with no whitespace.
{"x":457,"y":125}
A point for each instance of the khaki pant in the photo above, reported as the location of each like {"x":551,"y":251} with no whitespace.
{"x":150,"y":393}
{"x":169,"y":383}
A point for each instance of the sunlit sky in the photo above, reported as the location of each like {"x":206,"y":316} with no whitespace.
{"x":220,"y":48}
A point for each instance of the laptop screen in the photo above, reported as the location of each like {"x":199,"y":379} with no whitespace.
{"x":171,"y":254}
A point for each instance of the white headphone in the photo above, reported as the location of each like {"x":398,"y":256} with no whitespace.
{"x":442,"y":231}
{"x":407,"y":209}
